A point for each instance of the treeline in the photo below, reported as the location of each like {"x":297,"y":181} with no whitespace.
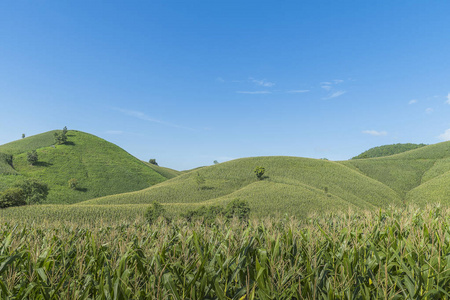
{"x":387,"y":150}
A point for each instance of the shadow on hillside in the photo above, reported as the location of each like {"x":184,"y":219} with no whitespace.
{"x":42,"y":164}
{"x":206,"y":188}
{"x":84,"y":190}
{"x":69,"y":143}
{"x":71,"y":135}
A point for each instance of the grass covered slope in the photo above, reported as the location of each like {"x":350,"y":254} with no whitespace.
{"x":101,"y":168}
{"x":387,"y":150}
{"x":409,"y":170}
{"x":291,"y":185}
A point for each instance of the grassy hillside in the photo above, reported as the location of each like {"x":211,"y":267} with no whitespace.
{"x":387,"y":150}
{"x":408,"y":173}
{"x":100,"y":167}
{"x":165,"y":172}
{"x":291,"y":185}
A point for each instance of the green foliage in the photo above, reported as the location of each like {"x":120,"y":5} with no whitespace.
{"x":34,"y":190}
{"x":216,"y":162}
{"x":12,"y":197}
{"x":60,"y":137}
{"x":388,"y":150}
{"x":64,"y":131}
{"x":73,"y":183}
{"x":153,"y":161}
{"x":259,"y":171}
{"x":390,"y":254}
{"x":207,"y":214}
{"x":23,"y":135}
{"x":238,"y":209}
{"x":155,"y":211}
{"x":32,"y":157}
{"x":6,"y":164}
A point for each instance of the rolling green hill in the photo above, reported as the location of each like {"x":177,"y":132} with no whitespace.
{"x":387,"y":150}
{"x":291,"y":185}
{"x":301,"y":186}
{"x":101,"y":168}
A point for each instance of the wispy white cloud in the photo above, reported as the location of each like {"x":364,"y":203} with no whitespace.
{"x":375,"y":132}
{"x":429,"y":110}
{"x":297,"y":91}
{"x":143,"y":116}
{"x":253,"y":92}
{"x":326,"y":83}
{"x":220,"y":79}
{"x":445,"y":136}
{"x":262,"y":82}
{"x":335,"y":94}
{"x":448,"y":99}
{"x":326,"y":87}
{"x":337,"y":81}
{"x":413,"y":101}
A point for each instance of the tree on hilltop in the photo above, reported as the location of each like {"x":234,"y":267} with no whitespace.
{"x":259,"y":171}
{"x":153,"y":161}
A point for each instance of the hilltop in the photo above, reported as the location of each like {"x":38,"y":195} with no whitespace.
{"x":100,"y":167}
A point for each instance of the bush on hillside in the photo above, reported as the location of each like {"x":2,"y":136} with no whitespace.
{"x":32,"y":157}
{"x":153,"y":161}
{"x":238,"y":209}
{"x":34,"y":190}
{"x":259,"y":171}
{"x":207,"y":214}
{"x":12,"y":197}
{"x":154,"y":212}
{"x":73,"y":183}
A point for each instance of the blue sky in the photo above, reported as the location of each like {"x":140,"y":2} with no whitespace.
{"x":190,"y":82}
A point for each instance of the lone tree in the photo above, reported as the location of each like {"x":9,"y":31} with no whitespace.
{"x":23,"y":135}
{"x":259,"y":171}
{"x":153,"y":161}
{"x":32,"y":157}
{"x":216,"y":162}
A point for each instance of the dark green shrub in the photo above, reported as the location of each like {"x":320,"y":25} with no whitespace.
{"x":12,"y":197}
{"x":238,"y":209}
{"x":154,"y":212}
{"x":32,"y":157}
{"x":35,"y":191}
{"x":153,"y":161}
{"x":207,"y":214}
{"x":259,"y":171}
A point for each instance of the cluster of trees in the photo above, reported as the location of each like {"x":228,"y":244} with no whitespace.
{"x":235,"y":209}
{"x":61,"y":137}
{"x":29,"y":191}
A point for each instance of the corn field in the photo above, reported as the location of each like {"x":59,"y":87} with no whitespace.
{"x":393,"y":254}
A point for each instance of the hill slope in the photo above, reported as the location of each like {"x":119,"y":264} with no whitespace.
{"x":387,"y":150}
{"x":100,"y":167}
{"x":292,"y":185}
